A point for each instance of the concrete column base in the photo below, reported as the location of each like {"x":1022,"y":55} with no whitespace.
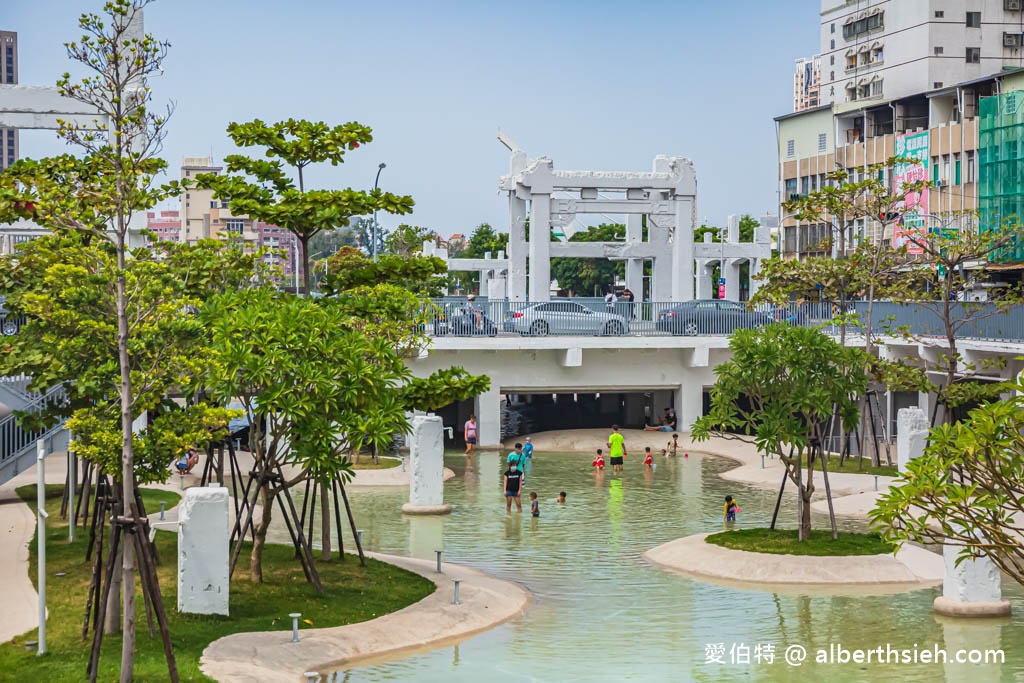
{"x":410,"y":509}
{"x":973,"y":610}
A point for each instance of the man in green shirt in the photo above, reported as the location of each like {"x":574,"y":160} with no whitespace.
{"x":616,"y":448}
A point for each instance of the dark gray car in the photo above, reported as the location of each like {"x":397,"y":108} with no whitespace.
{"x":709,"y":316}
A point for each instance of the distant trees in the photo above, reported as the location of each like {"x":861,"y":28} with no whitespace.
{"x":590,"y":276}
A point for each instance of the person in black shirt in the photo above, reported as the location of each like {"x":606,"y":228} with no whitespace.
{"x":513,"y":488}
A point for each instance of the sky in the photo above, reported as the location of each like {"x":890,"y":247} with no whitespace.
{"x":593,"y":85}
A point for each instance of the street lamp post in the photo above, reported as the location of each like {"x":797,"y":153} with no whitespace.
{"x":380,"y":168}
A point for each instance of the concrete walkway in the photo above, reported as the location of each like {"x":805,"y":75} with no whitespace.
{"x":269,"y":656}
{"x":392,"y":476}
{"x":910,"y":569}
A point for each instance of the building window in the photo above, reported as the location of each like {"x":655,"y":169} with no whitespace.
{"x":974,"y":20}
{"x":956,"y":169}
{"x":938,"y":50}
{"x":851,"y":61}
{"x":822,"y":142}
{"x":790,"y":148}
{"x":832,"y":28}
{"x":876,"y":87}
{"x":974,"y":55}
{"x":970,"y":167}
{"x":832,"y":77}
{"x":234,"y":225}
{"x":213,"y":204}
{"x":939,"y":14}
{"x":831,"y":60}
{"x":937,"y":84}
{"x":876,"y":55}
{"x":832,"y":44}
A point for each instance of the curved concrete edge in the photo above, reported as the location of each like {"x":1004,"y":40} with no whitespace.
{"x":910,"y":569}
{"x":485,"y":602}
{"x":977,"y":610}
{"x":410,"y":509}
{"x":392,"y":476}
{"x":21,"y":602}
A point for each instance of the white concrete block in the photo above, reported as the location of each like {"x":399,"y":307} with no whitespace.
{"x":426,"y":461}
{"x":203,"y":551}
{"x":912,"y":436}
{"x":975,"y":580}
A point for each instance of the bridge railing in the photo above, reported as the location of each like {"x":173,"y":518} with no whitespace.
{"x":459,"y":317}
{"x":14,"y":439}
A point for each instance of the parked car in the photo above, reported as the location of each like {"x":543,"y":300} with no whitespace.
{"x":463,"y":320}
{"x":709,"y":316}
{"x":564,"y":317}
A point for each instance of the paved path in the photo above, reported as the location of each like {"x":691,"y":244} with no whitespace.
{"x":485,"y":602}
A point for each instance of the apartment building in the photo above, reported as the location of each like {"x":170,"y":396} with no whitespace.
{"x":166,"y":226}
{"x":807,"y":84}
{"x":911,"y":79}
{"x":204,"y":217}
{"x":8,"y":76}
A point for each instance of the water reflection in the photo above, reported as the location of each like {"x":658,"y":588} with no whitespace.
{"x":602,"y":613}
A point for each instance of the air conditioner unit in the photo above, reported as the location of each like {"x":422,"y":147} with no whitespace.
{"x":1012,"y":5}
{"x":1011,"y":40}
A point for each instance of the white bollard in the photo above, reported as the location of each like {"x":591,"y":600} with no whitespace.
{"x":971,"y":588}
{"x":295,"y":625}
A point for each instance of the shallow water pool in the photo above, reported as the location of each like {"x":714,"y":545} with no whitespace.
{"x":601,"y":612}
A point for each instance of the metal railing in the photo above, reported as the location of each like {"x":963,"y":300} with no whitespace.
{"x":459,"y":317}
{"x":15,"y":440}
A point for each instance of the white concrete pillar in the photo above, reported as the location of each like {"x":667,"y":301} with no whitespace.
{"x":540,"y":247}
{"x":731,"y":273}
{"x":426,"y":467}
{"x":704,"y":284}
{"x":635,"y":266}
{"x":487,"y":408}
{"x":516,"y":248}
{"x":924,"y":402}
{"x":203,"y":551}
{"x":755,"y":284}
{"x":971,"y":588}
{"x":682,"y":251}
{"x":689,"y":404}
{"x":912,"y":436}
{"x":732,"y":229}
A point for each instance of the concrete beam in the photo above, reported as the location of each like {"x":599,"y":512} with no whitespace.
{"x":571,"y":357}
{"x":617,"y":250}
{"x":616,"y":206}
{"x":42,"y":107}
{"x":699,"y":357}
{"x":473,"y":264}
{"x":739,"y":250}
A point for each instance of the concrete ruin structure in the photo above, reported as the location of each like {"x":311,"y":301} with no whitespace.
{"x":426,"y":467}
{"x":664,"y":200}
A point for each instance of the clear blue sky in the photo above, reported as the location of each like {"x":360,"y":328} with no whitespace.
{"x":592,"y":84}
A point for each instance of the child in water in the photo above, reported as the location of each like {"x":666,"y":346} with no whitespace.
{"x":599,"y":460}
{"x":534,"y":504}
{"x":731,"y":508}
{"x":648,"y":459}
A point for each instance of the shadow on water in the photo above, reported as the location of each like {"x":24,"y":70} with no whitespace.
{"x":600,"y":612}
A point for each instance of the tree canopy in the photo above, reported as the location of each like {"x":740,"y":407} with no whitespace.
{"x":590,"y":276}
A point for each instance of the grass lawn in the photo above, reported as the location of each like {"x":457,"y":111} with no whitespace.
{"x":850,"y":466}
{"x":351,"y":594}
{"x":366,"y":463}
{"x":783,"y":542}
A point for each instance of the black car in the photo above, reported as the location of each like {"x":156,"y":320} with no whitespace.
{"x":709,"y":316}
{"x":461,"y":320}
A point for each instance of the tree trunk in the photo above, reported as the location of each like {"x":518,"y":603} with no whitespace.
{"x":127,"y":459}
{"x":304,"y":244}
{"x":260,"y":535}
{"x":325,"y":522}
{"x":112,"y":616}
{"x":805,"y":513}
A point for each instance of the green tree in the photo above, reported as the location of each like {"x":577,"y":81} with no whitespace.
{"x":483,"y":240}
{"x":274,"y":190}
{"x":587,"y":276}
{"x":782,"y":385}
{"x":407,"y":240}
{"x":965,"y":489}
{"x":115,"y":180}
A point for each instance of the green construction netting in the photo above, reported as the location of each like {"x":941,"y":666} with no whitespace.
{"x":1001,"y":168}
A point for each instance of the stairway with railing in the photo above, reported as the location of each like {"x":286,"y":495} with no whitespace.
{"x":17,"y":445}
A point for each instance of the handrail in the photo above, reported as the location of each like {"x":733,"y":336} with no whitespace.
{"x":14,"y":439}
